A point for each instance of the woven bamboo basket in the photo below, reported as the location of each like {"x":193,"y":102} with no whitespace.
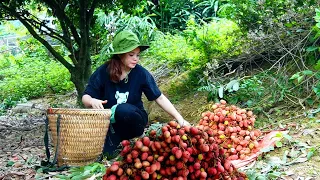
{"x":82,"y":134}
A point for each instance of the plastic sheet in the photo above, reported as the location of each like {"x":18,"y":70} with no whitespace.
{"x":269,"y":140}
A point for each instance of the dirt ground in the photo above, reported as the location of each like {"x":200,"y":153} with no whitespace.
{"x":22,"y":147}
{"x":22,"y":138}
{"x":298,"y":157}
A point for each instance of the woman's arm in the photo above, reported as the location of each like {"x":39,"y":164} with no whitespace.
{"x":94,"y":103}
{"x":167,"y":106}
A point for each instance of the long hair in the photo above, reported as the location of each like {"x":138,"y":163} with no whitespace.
{"x":114,"y":68}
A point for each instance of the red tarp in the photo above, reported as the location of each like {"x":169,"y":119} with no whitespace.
{"x":269,"y":140}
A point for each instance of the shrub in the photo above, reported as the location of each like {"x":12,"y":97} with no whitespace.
{"x":25,"y":77}
{"x":216,"y":39}
{"x":174,"y":51}
{"x":193,"y":49}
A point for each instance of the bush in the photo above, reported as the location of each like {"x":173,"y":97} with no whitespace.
{"x":25,"y":77}
{"x":215,"y":39}
{"x":174,"y":51}
{"x":193,"y":49}
{"x":198,"y":44}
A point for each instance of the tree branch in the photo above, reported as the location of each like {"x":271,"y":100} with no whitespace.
{"x":91,"y":10}
{"x":289,"y":51}
{"x":64,"y":3}
{"x":52,"y":33}
{"x":66,"y":34}
{"x":65,"y":24}
{"x":27,"y":24}
{"x":8,"y":18}
{"x":84,"y":29}
{"x":45,"y":43}
{"x":65,"y":39}
{"x":62,"y":16}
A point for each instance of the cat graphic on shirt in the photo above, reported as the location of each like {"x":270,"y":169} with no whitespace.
{"x":121,"y":97}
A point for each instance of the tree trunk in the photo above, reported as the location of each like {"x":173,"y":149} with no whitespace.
{"x":80,"y":77}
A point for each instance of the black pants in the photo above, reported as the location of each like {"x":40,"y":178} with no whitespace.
{"x":130,"y":123}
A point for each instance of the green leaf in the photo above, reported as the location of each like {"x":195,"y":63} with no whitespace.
{"x":295,"y":76}
{"x":316,"y":90}
{"x":221,"y":92}
{"x":311,"y":48}
{"x":279,"y":135}
{"x":210,"y":96}
{"x":230,"y":85}
{"x":96,"y":167}
{"x":80,"y":177}
{"x":289,"y":25}
{"x":302,"y":145}
{"x":86,"y":172}
{"x":216,"y":5}
{"x":310,"y":154}
{"x":300,"y":30}
{"x":279,"y":144}
{"x":317,"y":66}
{"x":293,"y":153}
{"x":29,"y":160}
{"x":300,"y":79}
{"x":249,"y":103}
{"x":317,"y":14}
{"x":152,"y":15}
{"x":307,"y":72}
{"x":310,"y":101}
{"x":288,"y":137}
{"x":261,"y":177}
{"x":10,"y":163}
{"x":284,"y":156}
{"x":317,"y":75}
{"x":40,"y":170}
{"x":74,"y":174}
{"x":62,"y":177}
{"x":267,"y":149}
{"x":206,"y":9}
{"x":236,"y":86}
{"x":251,"y":174}
{"x":86,"y":168}
{"x":274,"y":174}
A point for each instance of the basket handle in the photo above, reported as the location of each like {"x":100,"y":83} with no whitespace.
{"x":49,"y":166}
{"x":46,"y":140}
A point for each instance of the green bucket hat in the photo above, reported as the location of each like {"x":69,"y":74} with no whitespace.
{"x":126,"y":41}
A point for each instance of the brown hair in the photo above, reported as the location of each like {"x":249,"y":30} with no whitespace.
{"x":114,"y":68}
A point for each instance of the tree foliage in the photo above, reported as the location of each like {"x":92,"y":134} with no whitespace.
{"x":73,"y":22}
{"x":172,"y":15}
{"x":259,"y":14}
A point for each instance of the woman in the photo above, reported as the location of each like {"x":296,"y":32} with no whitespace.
{"x":118,"y":85}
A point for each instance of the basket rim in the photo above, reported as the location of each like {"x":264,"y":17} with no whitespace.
{"x":73,"y":110}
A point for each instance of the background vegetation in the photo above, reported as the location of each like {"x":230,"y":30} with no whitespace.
{"x":252,"y":53}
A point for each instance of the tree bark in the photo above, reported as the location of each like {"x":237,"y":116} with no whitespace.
{"x":80,"y":80}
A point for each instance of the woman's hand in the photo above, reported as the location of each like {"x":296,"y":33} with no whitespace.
{"x":183,"y":122}
{"x":167,"y":106}
{"x":97,"y":104}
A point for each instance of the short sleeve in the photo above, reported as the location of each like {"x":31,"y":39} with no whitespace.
{"x":95,"y":85}
{"x":150,"y":88}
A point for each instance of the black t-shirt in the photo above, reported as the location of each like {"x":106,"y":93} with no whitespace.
{"x":139,"y":80}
